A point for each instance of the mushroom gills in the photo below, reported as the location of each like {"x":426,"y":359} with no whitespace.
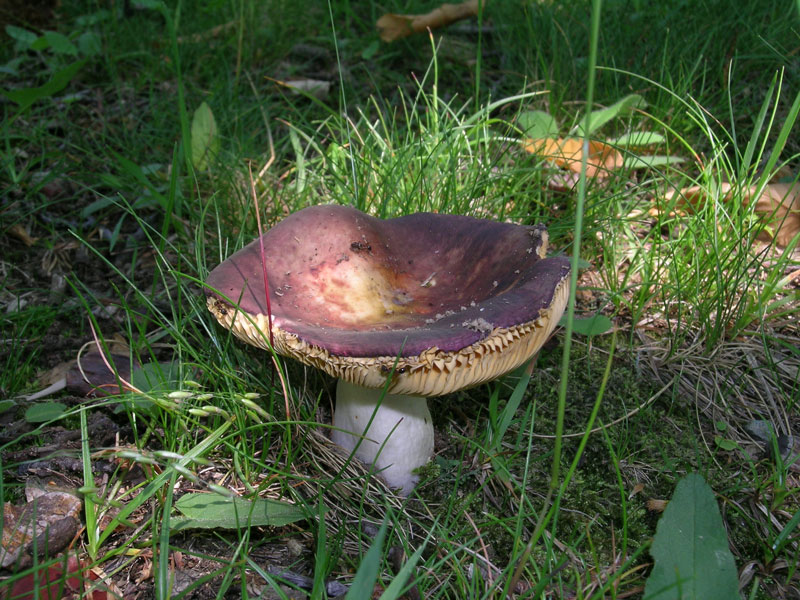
{"x":399,"y":439}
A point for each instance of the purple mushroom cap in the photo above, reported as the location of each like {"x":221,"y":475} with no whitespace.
{"x":354,"y":286}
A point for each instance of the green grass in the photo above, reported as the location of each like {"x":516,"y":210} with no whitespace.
{"x":706,"y":317}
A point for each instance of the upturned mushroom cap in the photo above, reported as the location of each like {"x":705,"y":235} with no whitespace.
{"x":459,"y":300}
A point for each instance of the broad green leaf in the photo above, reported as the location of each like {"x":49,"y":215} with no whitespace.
{"x":214,"y":511}
{"x":157,"y":376}
{"x":44,"y":411}
{"x":367,"y":574}
{"x":12,"y":66}
{"x":93,"y":18}
{"x":89,"y":43}
{"x":6,"y":405}
{"x":101,"y":202}
{"x":594,"y":325}
{"x":638,"y":138}
{"x":537,"y":124}
{"x":27,"y":96}
{"x":725,"y":443}
{"x":151,"y":488}
{"x":370,"y":51}
{"x":205,"y":142}
{"x":600,"y":117}
{"x":23,"y":36}
{"x":690,"y":549}
{"x":648,"y":162}
{"x":57,"y":42}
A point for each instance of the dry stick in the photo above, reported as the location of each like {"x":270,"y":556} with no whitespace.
{"x":48,"y":391}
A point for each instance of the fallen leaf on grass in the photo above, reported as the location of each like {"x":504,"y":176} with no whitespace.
{"x":639,"y":141}
{"x":636,"y":489}
{"x":205,"y":141}
{"x":91,"y":377}
{"x":42,"y":412}
{"x":537,"y":124}
{"x":778,"y":204}
{"x":88,"y":376}
{"x":55,"y":374}
{"x":19,"y":232}
{"x":53,"y":583}
{"x":51,"y":519}
{"x":214,"y":511}
{"x":690,"y":549}
{"x":393,"y":26}
{"x":601,"y":116}
{"x":656,"y":504}
{"x":568,"y":153}
{"x":25,"y":97}
{"x":597,"y":324}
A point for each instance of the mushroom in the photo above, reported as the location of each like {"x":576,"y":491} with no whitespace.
{"x":398,"y":310}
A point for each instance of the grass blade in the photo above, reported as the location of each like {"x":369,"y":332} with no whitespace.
{"x":367,"y":574}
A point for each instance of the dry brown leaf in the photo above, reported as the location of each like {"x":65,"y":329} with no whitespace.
{"x":656,"y":505}
{"x":779,"y":204}
{"x":56,"y":373}
{"x":90,"y":376}
{"x":393,"y":26}
{"x":51,"y":582}
{"x":636,"y":489}
{"x":43,"y":518}
{"x":19,"y":232}
{"x":568,"y":153}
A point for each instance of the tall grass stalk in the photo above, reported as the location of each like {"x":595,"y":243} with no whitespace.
{"x":89,"y":490}
{"x":576,"y":251}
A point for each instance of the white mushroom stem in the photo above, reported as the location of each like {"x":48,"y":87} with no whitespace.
{"x":399,"y":439}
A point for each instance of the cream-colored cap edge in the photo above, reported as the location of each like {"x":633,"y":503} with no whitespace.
{"x":431,"y":373}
